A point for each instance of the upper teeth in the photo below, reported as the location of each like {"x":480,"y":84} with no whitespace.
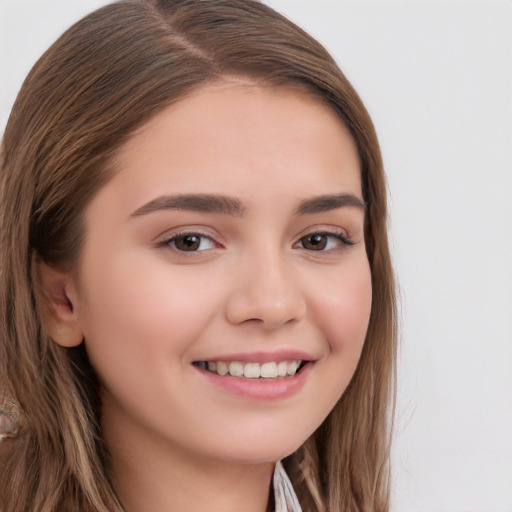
{"x":270,"y":370}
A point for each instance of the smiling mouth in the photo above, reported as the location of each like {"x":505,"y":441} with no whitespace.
{"x":251,"y":370}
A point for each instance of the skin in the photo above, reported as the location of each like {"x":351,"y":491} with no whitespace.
{"x":147,"y":310}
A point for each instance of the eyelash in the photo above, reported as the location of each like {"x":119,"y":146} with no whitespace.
{"x":339,"y":237}
{"x":200,"y":237}
{"x":171,"y":241}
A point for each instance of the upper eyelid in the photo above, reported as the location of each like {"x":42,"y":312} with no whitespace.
{"x":344,"y":239}
{"x":167,"y":243}
{"x":170,"y":234}
{"x":325,"y":230}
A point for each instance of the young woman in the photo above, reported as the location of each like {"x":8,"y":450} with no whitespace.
{"x":197,"y":301}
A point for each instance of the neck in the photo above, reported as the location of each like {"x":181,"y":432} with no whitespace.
{"x":153,"y":474}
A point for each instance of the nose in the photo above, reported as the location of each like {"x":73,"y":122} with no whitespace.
{"x":266,"y":291}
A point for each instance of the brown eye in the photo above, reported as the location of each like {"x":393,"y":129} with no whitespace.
{"x":189,"y":242}
{"x":315,"y":242}
{"x":324,"y":241}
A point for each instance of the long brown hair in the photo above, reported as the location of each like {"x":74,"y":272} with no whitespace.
{"x":103,"y":78}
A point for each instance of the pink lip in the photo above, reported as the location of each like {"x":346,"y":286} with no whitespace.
{"x":260,"y":389}
{"x":263,"y":357}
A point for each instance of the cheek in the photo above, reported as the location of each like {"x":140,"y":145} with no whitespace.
{"x":345,"y":308}
{"x":343,"y":312}
{"x":340,"y":311}
{"x":136,"y":314}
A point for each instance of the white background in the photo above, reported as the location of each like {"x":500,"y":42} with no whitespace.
{"x":437,"y":78}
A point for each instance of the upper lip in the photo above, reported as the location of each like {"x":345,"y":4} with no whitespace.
{"x":262,"y":357}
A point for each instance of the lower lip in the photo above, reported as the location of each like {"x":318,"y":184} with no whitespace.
{"x":260,"y":389}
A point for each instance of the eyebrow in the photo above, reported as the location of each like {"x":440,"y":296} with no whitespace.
{"x":204,"y":203}
{"x":326,"y":203}
{"x":226,"y":205}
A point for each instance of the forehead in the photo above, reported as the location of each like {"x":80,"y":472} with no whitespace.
{"x":243,"y":137}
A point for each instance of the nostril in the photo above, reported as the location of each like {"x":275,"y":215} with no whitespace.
{"x":265,"y":295}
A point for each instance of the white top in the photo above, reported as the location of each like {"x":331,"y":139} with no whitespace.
{"x":284,"y":495}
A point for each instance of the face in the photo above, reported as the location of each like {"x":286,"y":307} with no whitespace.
{"x":224,"y":290}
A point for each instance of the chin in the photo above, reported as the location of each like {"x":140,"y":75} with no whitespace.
{"x":261,"y":450}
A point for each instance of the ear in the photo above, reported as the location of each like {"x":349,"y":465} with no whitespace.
{"x":56,"y":298}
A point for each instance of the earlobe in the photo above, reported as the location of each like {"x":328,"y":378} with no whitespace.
{"x":65,"y":335}
{"x":56,"y":299}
